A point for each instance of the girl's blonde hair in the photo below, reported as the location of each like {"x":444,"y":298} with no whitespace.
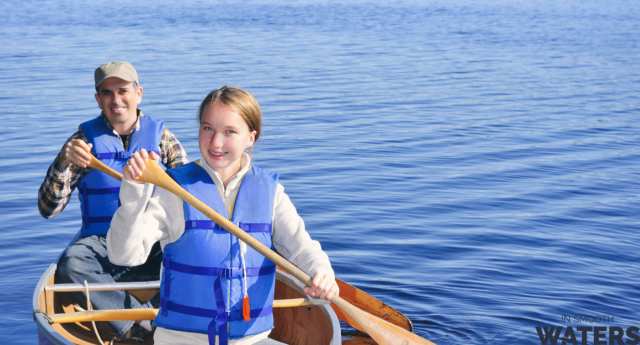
{"x":240,"y":101}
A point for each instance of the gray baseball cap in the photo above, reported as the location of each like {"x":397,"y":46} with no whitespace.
{"x":118,"y":69}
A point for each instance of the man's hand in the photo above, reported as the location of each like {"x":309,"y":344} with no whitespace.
{"x":136,"y":164}
{"x":323,"y":286}
{"x":75,"y":151}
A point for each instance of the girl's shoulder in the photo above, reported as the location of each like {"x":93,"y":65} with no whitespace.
{"x":261,"y":172}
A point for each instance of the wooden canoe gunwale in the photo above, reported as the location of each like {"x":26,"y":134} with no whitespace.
{"x":39,"y":306}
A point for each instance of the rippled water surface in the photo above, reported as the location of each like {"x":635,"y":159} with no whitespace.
{"x":472,"y":164}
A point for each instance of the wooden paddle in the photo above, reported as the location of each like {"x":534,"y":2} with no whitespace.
{"x":381,"y":331}
{"x":348,"y":292}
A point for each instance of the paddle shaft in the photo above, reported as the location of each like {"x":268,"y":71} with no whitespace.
{"x":381,"y":331}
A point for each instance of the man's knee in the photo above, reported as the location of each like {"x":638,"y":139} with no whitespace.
{"x":75,"y":264}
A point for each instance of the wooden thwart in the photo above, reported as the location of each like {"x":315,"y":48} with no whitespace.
{"x":145,"y":313}
{"x":104,"y":286}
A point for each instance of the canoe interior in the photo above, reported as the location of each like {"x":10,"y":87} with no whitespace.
{"x":358,"y":339}
{"x":299,"y":325}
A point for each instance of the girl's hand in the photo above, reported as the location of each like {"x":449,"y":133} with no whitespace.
{"x":136,"y":164}
{"x":323,"y":286}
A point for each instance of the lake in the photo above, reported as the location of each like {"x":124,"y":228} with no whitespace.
{"x":472,"y":163}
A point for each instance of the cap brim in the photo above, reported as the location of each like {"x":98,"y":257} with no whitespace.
{"x":114,"y":76}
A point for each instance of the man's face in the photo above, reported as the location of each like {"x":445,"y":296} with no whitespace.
{"x":119,"y":101}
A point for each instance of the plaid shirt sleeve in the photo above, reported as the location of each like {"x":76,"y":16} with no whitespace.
{"x":55,"y":192}
{"x":172,"y":154}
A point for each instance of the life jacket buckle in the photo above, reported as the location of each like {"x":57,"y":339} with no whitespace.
{"x":233,"y":272}
{"x":123,"y":155}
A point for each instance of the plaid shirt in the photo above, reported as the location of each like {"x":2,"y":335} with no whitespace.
{"x":55,"y":192}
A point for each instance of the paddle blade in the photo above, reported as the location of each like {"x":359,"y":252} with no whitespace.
{"x":368,"y":303}
{"x":383,"y":332}
{"x":371,"y":305}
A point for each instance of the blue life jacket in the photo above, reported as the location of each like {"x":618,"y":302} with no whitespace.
{"x":202,"y":286}
{"x":98,"y":191}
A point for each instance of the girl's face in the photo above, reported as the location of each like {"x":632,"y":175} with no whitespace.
{"x":223,"y":137}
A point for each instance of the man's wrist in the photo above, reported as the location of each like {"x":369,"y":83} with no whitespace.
{"x":60,"y":161}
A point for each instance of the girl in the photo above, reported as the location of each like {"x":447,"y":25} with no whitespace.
{"x":214,"y":287}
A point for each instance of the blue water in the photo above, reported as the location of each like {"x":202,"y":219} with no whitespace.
{"x":471,"y":163}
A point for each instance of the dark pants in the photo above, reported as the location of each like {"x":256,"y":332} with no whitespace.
{"x":87,"y":260}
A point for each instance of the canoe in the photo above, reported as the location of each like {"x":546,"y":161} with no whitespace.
{"x":313,"y":324}
{"x":303,"y":323}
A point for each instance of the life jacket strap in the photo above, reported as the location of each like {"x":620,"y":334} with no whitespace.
{"x":234,"y":315}
{"x":208,"y":224}
{"x":119,"y":154}
{"x":101,"y":191}
{"x":114,"y":155}
{"x":233,"y":272}
{"x":166,"y":279}
{"x":93,"y":220}
{"x":85,"y":204}
{"x":223,"y":335}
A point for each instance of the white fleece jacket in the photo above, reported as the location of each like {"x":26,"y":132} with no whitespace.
{"x":149,"y":214}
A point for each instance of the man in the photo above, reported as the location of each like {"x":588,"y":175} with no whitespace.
{"x":120,"y":130}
